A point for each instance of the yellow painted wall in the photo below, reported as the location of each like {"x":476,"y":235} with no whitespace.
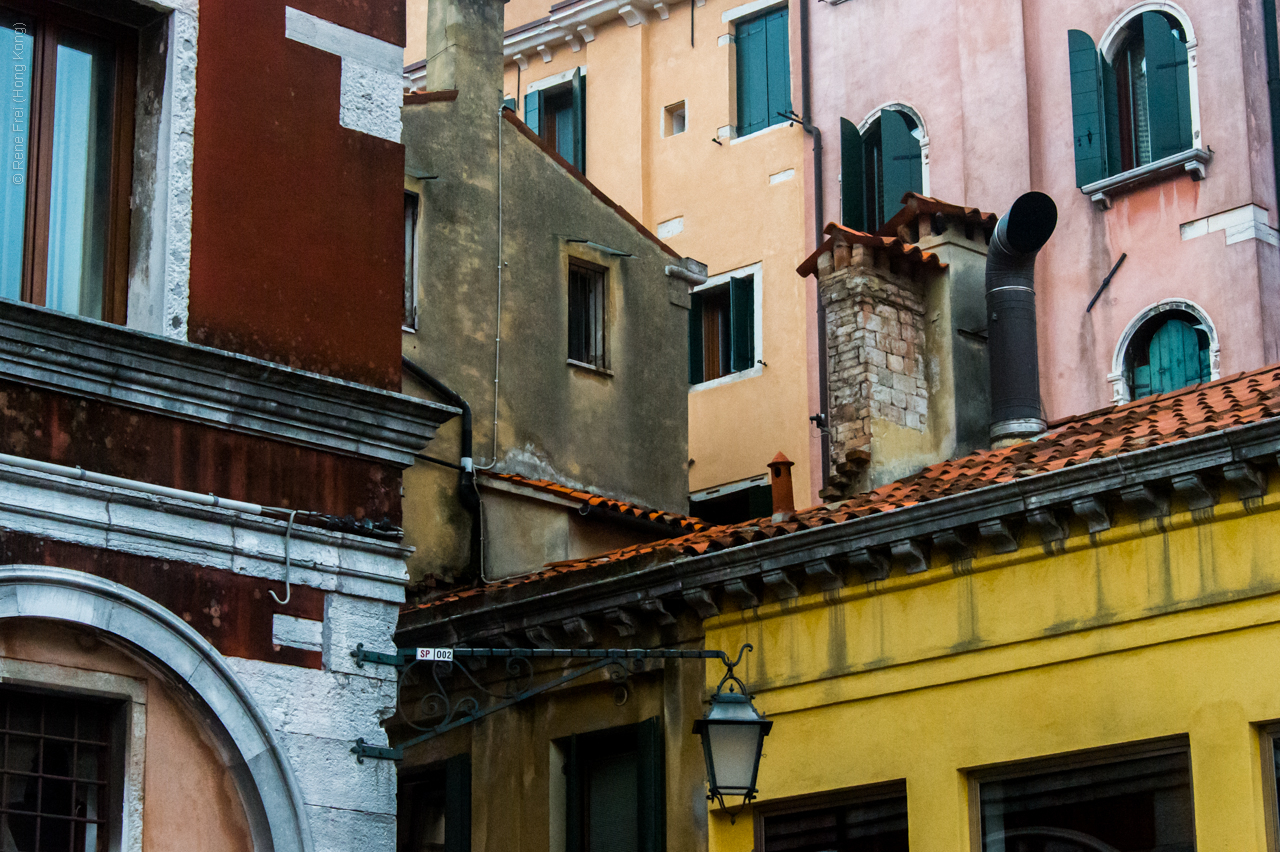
{"x":733,"y":216}
{"x":1148,"y":630}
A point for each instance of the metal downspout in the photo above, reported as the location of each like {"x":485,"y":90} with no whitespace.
{"x":1269,"y":31}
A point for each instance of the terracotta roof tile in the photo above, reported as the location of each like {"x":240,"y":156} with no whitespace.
{"x":915,"y":205}
{"x":1191,"y":412}
{"x":893,"y":245}
{"x":677,"y":522}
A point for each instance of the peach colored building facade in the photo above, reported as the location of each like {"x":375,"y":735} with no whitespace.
{"x":990,"y":83}
{"x":736,"y":204}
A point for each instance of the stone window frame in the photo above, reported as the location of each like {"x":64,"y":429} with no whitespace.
{"x":67,"y":682}
{"x":903,"y":107}
{"x":1120,"y":390}
{"x":722,"y":280}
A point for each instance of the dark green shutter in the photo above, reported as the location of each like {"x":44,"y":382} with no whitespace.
{"x":652,"y":800}
{"x":457,"y":804}
{"x":753,"y":78}
{"x":1175,"y":357}
{"x":903,"y":161}
{"x":853,"y":194}
{"x":696,"y":369}
{"x":572,"y":797}
{"x":778,"y":66}
{"x":579,"y":121}
{"x":1167,"y":81}
{"x":1087,"y":109}
{"x":742,"y":323}
{"x":1111,"y":122}
{"x":532,"y":110}
{"x":509,"y":103}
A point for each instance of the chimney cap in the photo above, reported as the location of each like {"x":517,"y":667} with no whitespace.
{"x":781,"y":460}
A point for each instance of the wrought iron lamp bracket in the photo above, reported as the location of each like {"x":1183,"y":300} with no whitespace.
{"x":456,"y":712}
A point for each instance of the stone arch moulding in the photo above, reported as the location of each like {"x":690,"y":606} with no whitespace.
{"x":1120,"y":388}
{"x":924,"y":134}
{"x":268,"y":789}
{"x":1114,"y":37}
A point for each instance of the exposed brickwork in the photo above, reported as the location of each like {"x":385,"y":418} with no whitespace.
{"x":875,"y":343}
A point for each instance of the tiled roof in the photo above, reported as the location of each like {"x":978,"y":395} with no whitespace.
{"x":657,"y":516}
{"x":1238,"y":400}
{"x":893,"y":245}
{"x":915,"y":205}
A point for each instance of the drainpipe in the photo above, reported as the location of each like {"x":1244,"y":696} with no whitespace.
{"x":468,"y":491}
{"x":806,"y":109}
{"x":1273,"y":83}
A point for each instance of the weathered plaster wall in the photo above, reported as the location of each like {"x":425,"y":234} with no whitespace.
{"x":1150,"y":629}
{"x":271,"y":265}
{"x":995,"y":98}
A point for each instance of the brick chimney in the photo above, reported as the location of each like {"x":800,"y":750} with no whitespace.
{"x":906,"y":354}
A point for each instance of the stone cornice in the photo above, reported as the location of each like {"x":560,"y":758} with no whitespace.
{"x":865,"y":549}
{"x":84,"y":357}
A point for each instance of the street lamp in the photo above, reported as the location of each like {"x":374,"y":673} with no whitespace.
{"x":733,"y":733}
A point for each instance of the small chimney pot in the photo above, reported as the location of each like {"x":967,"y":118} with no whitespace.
{"x":784,"y":501}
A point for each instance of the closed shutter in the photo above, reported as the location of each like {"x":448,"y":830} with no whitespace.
{"x":457,"y":804}
{"x":1111,"y":120}
{"x":1087,"y":109}
{"x":903,"y":162}
{"x":532,"y":111}
{"x":1175,"y":357}
{"x":742,"y":323}
{"x":778,"y":66}
{"x":1168,"y":87}
{"x":652,"y":787}
{"x":753,"y":77}
{"x":696,"y":369}
{"x":853,"y":194}
{"x":573,"y":822}
{"x":579,"y":121}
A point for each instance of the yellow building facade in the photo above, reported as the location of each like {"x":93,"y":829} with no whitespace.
{"x":661,"y":130}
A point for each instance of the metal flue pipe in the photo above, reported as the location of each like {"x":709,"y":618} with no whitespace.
{"x":1011,"y":316}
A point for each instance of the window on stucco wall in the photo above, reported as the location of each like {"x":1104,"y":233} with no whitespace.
{"x":878,"y":167}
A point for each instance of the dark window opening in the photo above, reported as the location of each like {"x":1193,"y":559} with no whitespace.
{"x":877,"y":824}
{"x":734,"y":507}
{"x":559,"y":115}
{"x":764,"y":71}
{"x":1170,"y":351}
{"x":1140,"y":804}
{"x":57,"y":772}
{"x":64,"y":206}
{"x":587,"y":315}
{"x":410,"y":259}
{"x":614,"y":790}
{"x":722,"y":330}
{"x":433,"y":811}
{"x":878,"y":168}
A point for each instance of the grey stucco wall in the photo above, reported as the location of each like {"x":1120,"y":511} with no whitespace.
{"x":624,"y":435}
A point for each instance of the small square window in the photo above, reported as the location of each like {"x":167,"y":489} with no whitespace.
{"x":586,"y":315}
{"x":673,"y":119}
{"x":1138,"y":802}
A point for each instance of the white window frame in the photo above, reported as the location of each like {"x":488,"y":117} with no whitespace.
{"x":1120,"y":390}
{"x":874,"y":115}
{"x":554,"y":80}
{"x":74,"y":683}
{"x":757,"y":271}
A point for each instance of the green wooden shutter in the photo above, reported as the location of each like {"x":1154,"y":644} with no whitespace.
{"x":696,"y":369}
{"x":573,"y":841}
{"x":579,"y":121}
{"x":742,"y":323}
{"x":532,"y":111}
{"x":778,"y":66}
{"x":853,"y":193}
{"x":1111,"y":121}
{"x":1087,"y":109}
{"x":651,"y":793}
{"x":457,"y":804}
{"x":753,"y":79}
{"x":1175,"y":357}
{"x":1168,"y":87}
{"x":903,"y":162}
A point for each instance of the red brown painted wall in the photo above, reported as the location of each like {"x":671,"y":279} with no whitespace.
{"x":104,"y":438}
{"x":297,"y":248}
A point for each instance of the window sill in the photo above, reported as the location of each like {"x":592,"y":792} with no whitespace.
{"x":1193,"y":161}
{"x":408,"y":329}
{"x":754,"y":134}
{"x":582,"y":365}
{"x":749,"y":373}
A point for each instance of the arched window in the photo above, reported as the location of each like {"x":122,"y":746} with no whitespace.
{"x":878,"y":166}
{"x":1169,"y":351}
{"x":1131,"y":103}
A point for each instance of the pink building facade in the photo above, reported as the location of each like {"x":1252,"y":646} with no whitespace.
{"x":997,"y":102}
